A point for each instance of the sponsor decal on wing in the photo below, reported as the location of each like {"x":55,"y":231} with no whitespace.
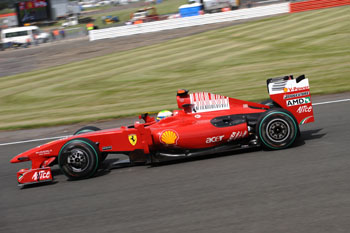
{"x":293,"y":89}
{"x":289,"y":96}
{"x":300,"y":101}
{"x":286,"y":86}
{"x":169,"y":137}
{"x":206,"y":102}
{"x":41,"y":175}
{"x":20,"y":177}
{"x":304,"y":108}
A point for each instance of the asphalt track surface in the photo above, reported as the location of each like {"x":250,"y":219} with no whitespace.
{"x":300,"y":189}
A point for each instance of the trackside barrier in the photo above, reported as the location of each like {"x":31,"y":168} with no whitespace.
{"x":169,"y":24}
{"x":241,"y":14}
{"x":316,"y":4}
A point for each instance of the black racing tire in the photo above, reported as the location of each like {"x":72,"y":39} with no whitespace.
{"x":277,"y":129}
{"x":79,"y":158}
{"x":103,"y":157}
{"x":86,"y":129}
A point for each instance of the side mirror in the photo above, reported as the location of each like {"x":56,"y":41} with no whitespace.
{"x":146,"y":117}
{"x":188,"y":108}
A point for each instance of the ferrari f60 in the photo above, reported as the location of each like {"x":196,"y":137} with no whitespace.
{"x":204,"y":124}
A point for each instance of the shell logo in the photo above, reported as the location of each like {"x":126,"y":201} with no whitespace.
{"x":30,"y":5}
{"x":285,"y":89}
{"x":169,"y":137}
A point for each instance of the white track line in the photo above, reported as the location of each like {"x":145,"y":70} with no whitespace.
{"x":58,"y":137}
{"x":330,"y":102}
{"x":34,"y":140}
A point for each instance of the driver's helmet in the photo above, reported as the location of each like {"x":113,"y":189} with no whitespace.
{"x":163,"y":114}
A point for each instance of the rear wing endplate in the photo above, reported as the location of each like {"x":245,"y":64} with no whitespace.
{"x":293,"y":95}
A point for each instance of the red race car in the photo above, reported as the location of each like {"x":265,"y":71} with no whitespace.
{"x":205,"y":124}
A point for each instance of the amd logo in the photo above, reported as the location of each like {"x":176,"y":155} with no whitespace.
{"x":299,"y":101}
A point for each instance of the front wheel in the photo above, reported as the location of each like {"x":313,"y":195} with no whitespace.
{"x":79,"y":158}
{"x":277,"y":129}
{"x":86,"y":129}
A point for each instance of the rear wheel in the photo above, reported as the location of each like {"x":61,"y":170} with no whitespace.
{"x":79,"y":158}
{"x":277,"y":129}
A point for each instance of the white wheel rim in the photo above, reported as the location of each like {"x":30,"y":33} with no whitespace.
{"x":277,"y":130}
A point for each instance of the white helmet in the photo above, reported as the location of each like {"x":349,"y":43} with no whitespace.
{"x":163,"y":114}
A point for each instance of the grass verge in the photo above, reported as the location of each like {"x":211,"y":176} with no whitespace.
{"x":233,"y":61}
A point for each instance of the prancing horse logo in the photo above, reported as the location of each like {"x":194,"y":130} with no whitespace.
{"x":132,"y":139}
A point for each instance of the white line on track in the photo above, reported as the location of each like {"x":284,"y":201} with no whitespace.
{"x":58,"y":137}
{"x":331,"y":102}
{"x":34,"y":140}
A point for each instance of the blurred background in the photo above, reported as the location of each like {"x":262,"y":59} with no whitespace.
{"x":52,"y":72}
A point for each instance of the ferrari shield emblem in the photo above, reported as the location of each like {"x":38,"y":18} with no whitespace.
{"x":132,"y":139}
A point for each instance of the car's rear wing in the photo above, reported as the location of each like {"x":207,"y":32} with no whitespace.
{"x":292,"y":95}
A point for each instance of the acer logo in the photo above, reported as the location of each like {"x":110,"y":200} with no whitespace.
{"x":215,"y":139}
{"x":41,"y":175}
{"x":303,"y":109}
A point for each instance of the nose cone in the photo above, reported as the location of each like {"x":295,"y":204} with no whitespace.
{"x":40,"y":153}
{"x":20,"y":158}
{"x":25,"y":156}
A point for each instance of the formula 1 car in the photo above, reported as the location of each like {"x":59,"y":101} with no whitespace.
{"x":205,"y":124}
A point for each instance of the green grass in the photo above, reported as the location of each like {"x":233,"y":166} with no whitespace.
{"x":233,"y":61}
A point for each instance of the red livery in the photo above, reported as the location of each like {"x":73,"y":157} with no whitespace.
{"x":204,"y":124}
